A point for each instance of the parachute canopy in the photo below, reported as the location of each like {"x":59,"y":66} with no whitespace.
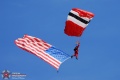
{"x":77,"y":21}
{"x":43,"y":50}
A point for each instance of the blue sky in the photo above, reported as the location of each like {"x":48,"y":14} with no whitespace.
{"x":100,"y":43}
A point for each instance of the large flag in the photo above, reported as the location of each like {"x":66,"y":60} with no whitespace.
{"x":43,"y":50}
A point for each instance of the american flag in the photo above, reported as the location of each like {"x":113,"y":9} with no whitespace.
{"x":43,"y":50}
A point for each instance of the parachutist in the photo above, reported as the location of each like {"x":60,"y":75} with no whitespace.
{"x":76,"y":49}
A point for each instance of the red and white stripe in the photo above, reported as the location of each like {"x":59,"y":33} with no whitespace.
{"x":72,"y":19}
{"x":37,"y":47}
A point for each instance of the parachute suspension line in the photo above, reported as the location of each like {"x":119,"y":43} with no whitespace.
{"x":78,"y":40}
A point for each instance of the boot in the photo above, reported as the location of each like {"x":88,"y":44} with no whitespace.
{"x":76,"y":58}
{"x":71,"y":56}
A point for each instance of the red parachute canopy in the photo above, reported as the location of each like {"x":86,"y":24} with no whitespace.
{"x":77,"y":21}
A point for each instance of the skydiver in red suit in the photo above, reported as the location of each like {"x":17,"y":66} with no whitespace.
{"x":76,"y":50}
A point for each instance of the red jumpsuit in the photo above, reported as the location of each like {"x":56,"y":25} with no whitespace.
{"x":76,"y":51}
